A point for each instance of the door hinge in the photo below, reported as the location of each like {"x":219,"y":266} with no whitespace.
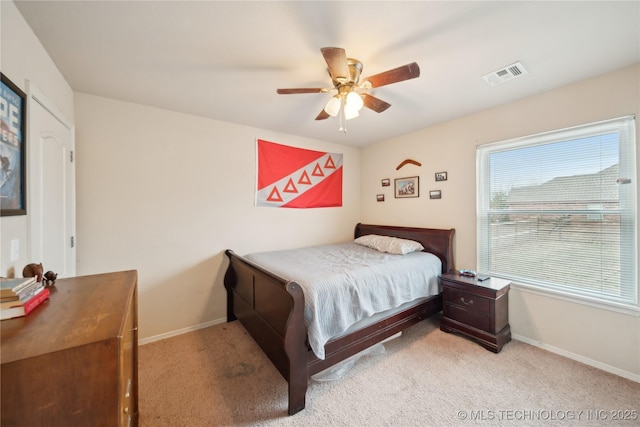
{"x":71,"y":156}
{"x":73,"y":241}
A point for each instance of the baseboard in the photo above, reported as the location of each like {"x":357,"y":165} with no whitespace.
{"x":175,"y":333}
{"x":602,"y":366}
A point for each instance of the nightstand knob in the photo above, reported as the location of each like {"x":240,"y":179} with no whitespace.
{"x":465,"y":302}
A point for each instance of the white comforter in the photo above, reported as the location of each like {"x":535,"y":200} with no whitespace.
{"x":344,"y":283}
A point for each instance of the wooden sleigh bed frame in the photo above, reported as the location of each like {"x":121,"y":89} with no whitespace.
{"x":271,"y":309}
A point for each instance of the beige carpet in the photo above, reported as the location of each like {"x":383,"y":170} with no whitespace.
{"x":219,"y":377}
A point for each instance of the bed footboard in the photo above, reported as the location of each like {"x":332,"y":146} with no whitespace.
{"x":271,"y":309}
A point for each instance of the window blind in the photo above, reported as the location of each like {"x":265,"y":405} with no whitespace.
{"x":558,"y":210}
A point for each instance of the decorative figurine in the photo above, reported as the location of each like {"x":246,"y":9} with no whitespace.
{"x":50,"y":278}
{"x":33,"y":270}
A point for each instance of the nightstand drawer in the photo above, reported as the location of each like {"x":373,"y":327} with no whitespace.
{"x":468,"y":317}
{"x":468,"y":301}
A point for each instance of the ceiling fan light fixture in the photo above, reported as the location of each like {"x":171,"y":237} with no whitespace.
{"x":354,"y":101}
{"x":333,"y":106}
{"x":350,"y":113}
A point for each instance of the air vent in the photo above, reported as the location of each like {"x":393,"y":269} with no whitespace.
{"x":507,"y":73}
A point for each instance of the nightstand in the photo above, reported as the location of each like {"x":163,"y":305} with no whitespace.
{"x":476,"y":309}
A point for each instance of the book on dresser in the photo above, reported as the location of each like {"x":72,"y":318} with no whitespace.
{"x":21,"y":308}
{"x":11,"y":288}
{"x":23,"y":294}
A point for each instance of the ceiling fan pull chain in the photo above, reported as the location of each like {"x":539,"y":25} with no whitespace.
{"x":343,"y":119}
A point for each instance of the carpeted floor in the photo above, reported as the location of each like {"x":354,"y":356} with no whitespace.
{"x":218,"y":376}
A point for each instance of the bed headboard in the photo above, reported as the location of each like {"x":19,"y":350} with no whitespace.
{"x":437,"y":241}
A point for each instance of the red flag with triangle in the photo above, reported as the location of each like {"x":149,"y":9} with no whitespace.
{"x":291,"y":177}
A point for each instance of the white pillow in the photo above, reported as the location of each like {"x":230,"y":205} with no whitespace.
{"x":392,"y":245}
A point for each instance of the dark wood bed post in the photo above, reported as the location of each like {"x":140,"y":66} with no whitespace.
{"x":229,"y":281}
{"x":296,"y":350}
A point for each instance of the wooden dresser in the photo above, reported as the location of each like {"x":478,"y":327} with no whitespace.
{"x":477,"y":309}
{"x":73,"y":361}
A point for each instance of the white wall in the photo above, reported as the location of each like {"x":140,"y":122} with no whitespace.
{"x":166,"y":193}
{"x":603,"y":338}
{"x":22,"y":58}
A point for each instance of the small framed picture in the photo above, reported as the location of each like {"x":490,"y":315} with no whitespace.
{"x":380,"y":197}
{"x":441,"y":176}
{"x":407,"y":187}
{"x":435,"y":194}
{"x":386,"y":182}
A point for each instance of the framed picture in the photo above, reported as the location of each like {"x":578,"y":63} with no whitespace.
{"x":380,"y":197}
{"x":407,"y":187}
{"x":12,"y":149}
{"x":441,"y":176}
{"x":435,"y":194}
{"x":386,"y":182}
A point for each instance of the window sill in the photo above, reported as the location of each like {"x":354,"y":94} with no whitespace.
{"x":629,"y":310}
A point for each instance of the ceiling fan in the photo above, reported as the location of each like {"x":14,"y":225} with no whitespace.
{"x":351,"y":91}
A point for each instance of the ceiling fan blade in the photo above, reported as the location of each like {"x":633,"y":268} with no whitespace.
{"x":323,"y":115}
{"x":375,"y":104}
{"x":406,"y":72}
{"x":301,"y":90}
{"x":336,"y":59}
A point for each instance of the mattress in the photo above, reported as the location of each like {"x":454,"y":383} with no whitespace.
{"x":347,"y":283}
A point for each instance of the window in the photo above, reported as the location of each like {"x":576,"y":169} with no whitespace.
{"x":557,"y":211}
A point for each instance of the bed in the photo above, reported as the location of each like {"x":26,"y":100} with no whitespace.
{"x":271,"y":307}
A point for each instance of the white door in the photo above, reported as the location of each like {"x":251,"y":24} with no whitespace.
{"x":51,"y":186}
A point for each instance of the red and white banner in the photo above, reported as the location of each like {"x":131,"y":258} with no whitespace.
{"x":290,"y":177}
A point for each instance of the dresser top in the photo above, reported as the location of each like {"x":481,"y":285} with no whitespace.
{"x":80,"y":310}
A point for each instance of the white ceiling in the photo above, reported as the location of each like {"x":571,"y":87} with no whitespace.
{"x":225,"y":59}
